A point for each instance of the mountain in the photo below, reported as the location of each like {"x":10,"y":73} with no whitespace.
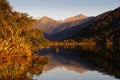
{"x":104,"y":27}
{"x":75,"y":18}
{"x":46,"y":24}
{"x":36,"y":18}
{"x":50,"y":26}
{"x":70,"y":22}
{"x":69,"y":32}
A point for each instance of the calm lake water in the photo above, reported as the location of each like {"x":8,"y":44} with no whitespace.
{"x":64,"y":63}
{"x":80,"y":63}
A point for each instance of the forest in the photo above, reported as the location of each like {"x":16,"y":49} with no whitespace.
{"x":17,"y":36}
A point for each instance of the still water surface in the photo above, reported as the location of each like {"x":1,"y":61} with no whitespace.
{"x":79,"y":63}
{"x":64,"y":63}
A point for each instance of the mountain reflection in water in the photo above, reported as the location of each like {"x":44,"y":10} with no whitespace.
{"x":64,"y":59}
{"x":88,"y":62}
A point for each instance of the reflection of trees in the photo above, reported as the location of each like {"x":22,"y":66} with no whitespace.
{"x":37,"y":64}
{"x":14,"y":68}
{"x":83,"y":47}
{"x":105,"y":59}
{"x":66,"y":46}
{"x":17,"y":68}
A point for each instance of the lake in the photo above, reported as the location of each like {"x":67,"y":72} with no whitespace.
{"x":64,"y":63}
{"x":80,"y":63}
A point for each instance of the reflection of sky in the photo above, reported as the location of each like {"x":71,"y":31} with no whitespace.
{"x":64,"y":74}
{"x":60,"y":9}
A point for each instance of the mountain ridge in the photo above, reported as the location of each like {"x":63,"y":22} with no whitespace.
{"x":51,"y":26}
{"x":94,"y":26}
{"x":64,"y":34}
{"x":74,"y":18}
{"x":46,"y":24}
{"x":105,"y":27}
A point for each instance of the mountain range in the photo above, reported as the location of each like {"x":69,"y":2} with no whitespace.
{"x":81,"y":26}
{"x":51,"y":26}
{"x":104,"y":27}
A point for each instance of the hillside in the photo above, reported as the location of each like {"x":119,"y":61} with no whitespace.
{"x":106,"y":28}
{"x":50,"y":26}
{"x":71,"y":22}
{"x":75,"y":18}
{"x":46,"y":24}
{"x":69,"y":32}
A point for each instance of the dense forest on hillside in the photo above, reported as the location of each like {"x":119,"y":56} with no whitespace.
{"x":106,"y":29}
{"x":16,"y":33}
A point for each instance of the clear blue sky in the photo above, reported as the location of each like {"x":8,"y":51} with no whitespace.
{"x":61,"y":9}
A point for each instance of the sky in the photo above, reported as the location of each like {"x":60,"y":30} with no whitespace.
{"x":61,"y":9}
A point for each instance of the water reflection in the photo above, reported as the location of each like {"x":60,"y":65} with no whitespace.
{"x":64,"y":63}
{"x":66,"y":59}
{"x":82,"y":60}
{"x":104,"y":59}
{"x":21,"y":68}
